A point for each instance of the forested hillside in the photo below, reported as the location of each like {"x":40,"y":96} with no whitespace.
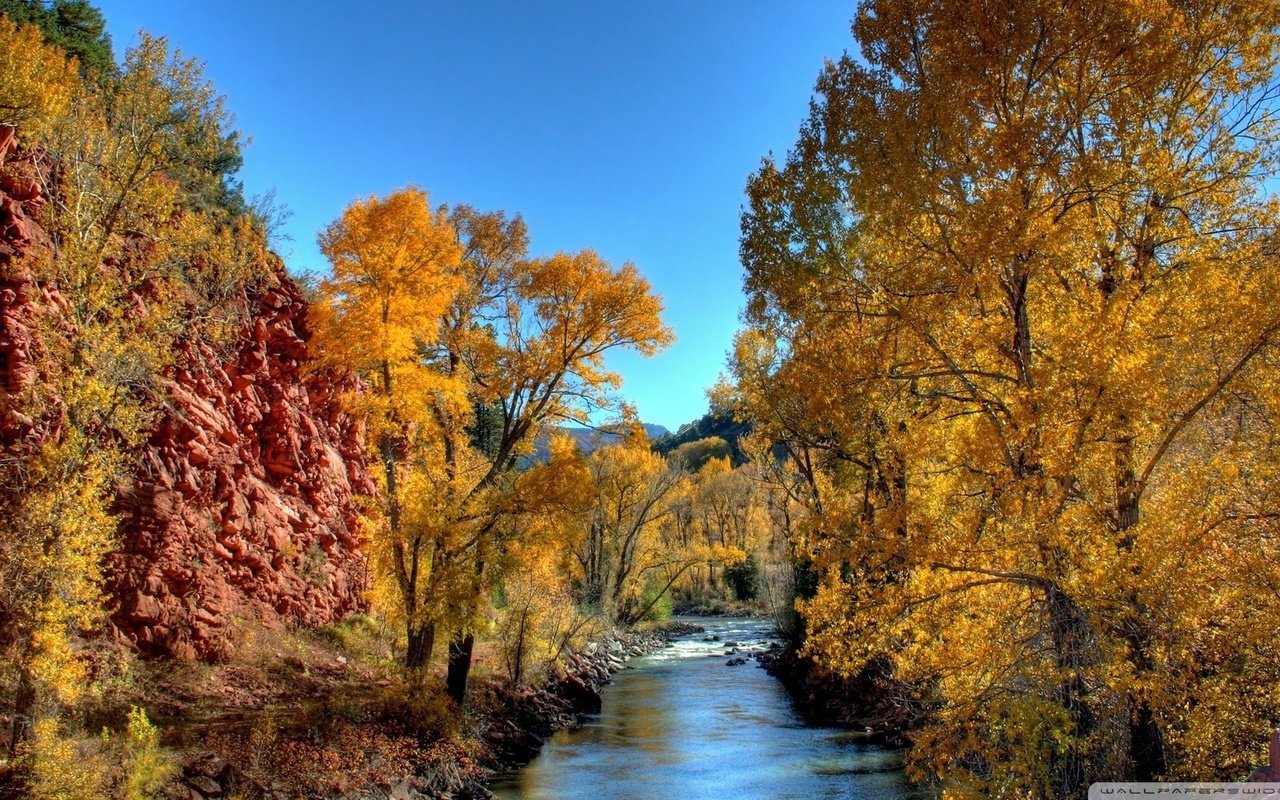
{"x":718,"y":423}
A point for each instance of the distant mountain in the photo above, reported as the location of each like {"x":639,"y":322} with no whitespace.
{"x":587,"y":439}
{"x":712,"y":423}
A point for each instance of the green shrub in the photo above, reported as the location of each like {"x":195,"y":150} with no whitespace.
{"x":661,"y":607}
{"x":744,"y":578}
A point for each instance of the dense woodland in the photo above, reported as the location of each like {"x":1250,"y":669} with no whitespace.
{"x":1000,"y":428}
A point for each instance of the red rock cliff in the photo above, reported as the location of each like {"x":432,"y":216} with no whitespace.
{"x":241,"y":505}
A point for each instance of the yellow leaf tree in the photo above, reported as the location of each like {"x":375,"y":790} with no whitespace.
{"x":395,"y":271}
{"x":618,"y":544}
{"x":469,"y":347}
{"x":540,"y":617}
{"x":531,"y":343}
{"x":1011,"y":298}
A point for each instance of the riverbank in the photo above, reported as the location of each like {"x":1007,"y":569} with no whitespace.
{"x":529,"y":717}
{"x":325,"y":714}
{"x":869,"y":702}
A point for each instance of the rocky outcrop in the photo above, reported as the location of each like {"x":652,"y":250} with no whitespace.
{"x":20,"y":298}
{"x":241,"y":504}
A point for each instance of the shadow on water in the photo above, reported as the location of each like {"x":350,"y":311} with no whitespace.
{"x":681,"y":725}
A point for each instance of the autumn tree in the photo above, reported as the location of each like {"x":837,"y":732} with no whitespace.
{"x":74,"y":27}
{"x":618,"y":544}
{"x":492,"y":344}
{"x":395,"y":264}
{"x":533,"y":347}
{"x":691,"y":456}
{"x":539,"y":617}
{"x":657,"y":524}
{"x":725,"y":509}
{"x":783,"y":499}
{"x":1011,"y":318}
{"x":36,"y":79}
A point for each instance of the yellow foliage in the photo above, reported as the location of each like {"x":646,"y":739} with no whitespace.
{"x":395,"y":267}
{"x":540,"y":619}
{"x":64,"y":533}
{"x":37,"y":80}
{"x":467,"y":347}
{"x":147,"y":766}
{"x":618,"y":542}
{"x":1013,"y":318}
{"x":128,"y":170}
{"x":61,"y":768}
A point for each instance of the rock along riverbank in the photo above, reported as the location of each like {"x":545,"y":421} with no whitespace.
{"x":362,"y":748}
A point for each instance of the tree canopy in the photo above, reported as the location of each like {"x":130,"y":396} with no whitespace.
{"x":1012,"y":312}
{"x":76,"y":27}
{"x":470,"y":347}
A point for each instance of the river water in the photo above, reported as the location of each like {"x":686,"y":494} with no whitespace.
{"x":681,"y":725}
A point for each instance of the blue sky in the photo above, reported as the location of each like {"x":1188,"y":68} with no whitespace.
{"x":629,"y":128}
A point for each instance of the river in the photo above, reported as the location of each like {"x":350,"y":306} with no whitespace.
{"x":681,"y":725}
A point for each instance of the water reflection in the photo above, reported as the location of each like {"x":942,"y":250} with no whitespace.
{"x":680,"y":725}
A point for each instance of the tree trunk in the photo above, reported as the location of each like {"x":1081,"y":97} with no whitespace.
{"x":1146,"y":743}
{"x":461,"y":647}
{"x":460,"y":650}
{"x":421,"y":644}
{"x":1022,"y":324}
{"x":1074,"y":645}
{"x":24,"y":707}
{"x":517,"y":659}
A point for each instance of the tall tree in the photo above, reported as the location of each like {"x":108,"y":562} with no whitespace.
{"x":395,"y":264}
{"x":471,"y":346}
{"x":532,"y":341}
{"x":618,"y":542}
{"x":1010,"y":295}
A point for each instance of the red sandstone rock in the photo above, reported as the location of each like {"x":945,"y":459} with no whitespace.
{"x":8,"y":139}
{"x":243,"y":488}
{"x":241,"y":503}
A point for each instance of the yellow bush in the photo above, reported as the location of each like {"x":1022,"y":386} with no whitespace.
{"x":58,"y":767}
{"x":147,"y":765}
